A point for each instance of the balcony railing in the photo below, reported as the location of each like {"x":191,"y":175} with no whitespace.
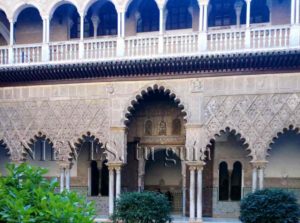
{"x":169,"y":44}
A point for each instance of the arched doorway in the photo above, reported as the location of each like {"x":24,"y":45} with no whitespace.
{"x":156,"y":134}
{"x":228,"y":175}
{"x":282,"y":169}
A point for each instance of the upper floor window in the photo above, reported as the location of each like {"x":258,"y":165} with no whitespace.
{"x":178,"y":15}
{"x":148,"y":17}
{"x":222,"y":13}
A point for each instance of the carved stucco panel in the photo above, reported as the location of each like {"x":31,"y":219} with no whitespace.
{"x":258,"y":118}
{"x":62,"y":121}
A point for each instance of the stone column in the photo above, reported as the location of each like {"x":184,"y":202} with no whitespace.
{"x":202,"y":37}
{"x":261,"y":175}
{"x":95,"y":21}
{"x":121,"y":34}
{"x":111,"y":189}
{"x":297,"y":18}
{"x":248,"y":18}
{"x":62,"y":177}
{"x":295,"y":27}
{"x":45,"y":46}
{"x":11,"y":43}
{"x":192,"y":193}
{"x":118,"y":180}
{"x":238,"y":9}
{"x":199,"y":193}
{"x":293,"y":2}
{"x":81,"y":44}
{"x":141,"y":173}
{"x":254,"y":178}
{"x":248,"y":15}
{"x":161,"y":30}
{"x":67,"y":175}
{"x":183,"y":172}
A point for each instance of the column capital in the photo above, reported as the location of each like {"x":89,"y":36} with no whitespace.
{"x":115,"y":165}
{"x":195,"y":165}
{"x":261,"y":164}
{"x":203,"y":2}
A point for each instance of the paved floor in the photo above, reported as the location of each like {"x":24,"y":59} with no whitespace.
{"x":179,"y":219}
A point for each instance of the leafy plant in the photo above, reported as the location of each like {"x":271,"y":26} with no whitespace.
{"x":26,"y":197}
{"x":270,"y":206}
{"x":142,"y":207}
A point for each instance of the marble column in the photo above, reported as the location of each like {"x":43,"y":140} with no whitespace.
{"x":62,"y":177}
{"x":161,"y":30}
{"x":238,"y":9}
{"x":192,"y":193}
{"x":261,"y":177}
{"x":95,"y":21}
{"x":199,"y":193}
{"x":111,"y":189}
{"x":293,"y":12}
{"x":248,"y":16}
{"x":254,"y":179}
{"x":11,"y":43}
{"x":118,"y":181}
{"x":183,"y":173}
{"x":67,"y":176}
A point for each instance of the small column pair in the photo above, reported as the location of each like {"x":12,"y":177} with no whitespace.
{"x":65,"y":176}
{"x":258,"y":175}
{"x":193,"y":167}
{"x":114,"y":172}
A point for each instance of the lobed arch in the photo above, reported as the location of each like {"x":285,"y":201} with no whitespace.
{"x":19,"y":8}
{"x":55,"y":5}
{"x":39,"y":134}
{"x":138,"y":95}
{"x":276,"y":136}
{"x":245,"y":142}
{"x":87,"y":5}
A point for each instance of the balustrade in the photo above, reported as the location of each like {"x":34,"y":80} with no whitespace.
{"x":149,"y":45}
{"x":3,"y":55}
{"x":27,"y":53}
{"x":141,"y":46}
{"x":226,"y":40}
{"x":64,"y":51}
{"x":276,"y":36}
{"x":180,"y":44}
{"x":100,"y":48}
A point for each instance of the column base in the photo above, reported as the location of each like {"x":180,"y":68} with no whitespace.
{"x":195,"y":221}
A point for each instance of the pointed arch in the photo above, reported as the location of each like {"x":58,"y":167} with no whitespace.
{"x":138,"y":96}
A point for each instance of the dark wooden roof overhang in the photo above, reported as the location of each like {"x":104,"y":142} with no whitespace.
{"x":161,"y":67}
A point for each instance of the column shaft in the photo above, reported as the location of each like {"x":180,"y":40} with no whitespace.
{"x":261,"y":178}
{"x":123,"y":24}
{"x":201,"y":11}
{"x":293,"y":12}
{"x":11,"y":34}
{"x":248,"y":16}
{"x":161,"y":20}
{"x":118,"y":182}
{"x":62,"y":176}
{"x":297,"y":11}
{"x":81,"y":27}
{"x":254,"y":179}
{"x":199,"y":194}
{"x":205,"y":25}
{"x":192,"y":194}
{"x":119,"y":23}
{"x":67,"y":175}
{"x":111,"y":190}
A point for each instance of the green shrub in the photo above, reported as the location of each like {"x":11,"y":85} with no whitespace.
{"x":270,"y":206}
{"x":142,"y":207}
{"x":26,"y":196}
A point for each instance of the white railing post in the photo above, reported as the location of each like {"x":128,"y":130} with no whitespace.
{"x":121,"y":33}
{"x":295,"y":27}
{"x":81,"y":52}
{"x":11,"y":43}
{"x":248,"y":31}
{"x":45,"y":46}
